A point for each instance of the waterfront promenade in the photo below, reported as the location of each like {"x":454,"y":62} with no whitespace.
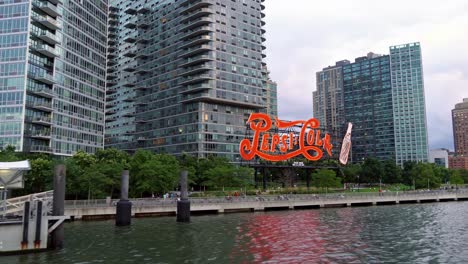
{"x":105,"y":209}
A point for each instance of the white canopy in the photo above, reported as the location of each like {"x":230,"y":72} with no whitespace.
{"x":11,"y":173}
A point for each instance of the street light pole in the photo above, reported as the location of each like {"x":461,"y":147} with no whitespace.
{"x":358,"y":183}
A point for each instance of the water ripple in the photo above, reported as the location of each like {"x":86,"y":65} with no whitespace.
{"x":423,"y":233}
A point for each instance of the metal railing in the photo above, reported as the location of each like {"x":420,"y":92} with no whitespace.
{"x":14,"y":206}
{"x":172,"y":202}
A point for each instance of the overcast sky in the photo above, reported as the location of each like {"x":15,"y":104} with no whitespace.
{"x":304,"y":36}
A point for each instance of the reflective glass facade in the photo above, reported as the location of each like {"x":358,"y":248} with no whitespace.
{"x":14,"y":23}
{"x":409,"y":108}
{"x":368,"y":105}
{"x":184,"y":76}
{"x":52,"y":80}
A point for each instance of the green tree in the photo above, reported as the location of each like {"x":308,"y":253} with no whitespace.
{"x":424,"y":177}
{"x":456,"y":178}
{"x":153,"y":173}
{"x":39,"y":178}
{"x":464,"y":175}
{"x":222,"y":176}
{"x":325,"y":178}
{"x":391,"y":172}
{"x":372,"y":170}
{"x":8,"y":154}
{"x":407,"y":173}
{"x":351,"y":172}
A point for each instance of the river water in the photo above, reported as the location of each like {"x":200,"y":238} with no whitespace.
{"x":418,"y":233}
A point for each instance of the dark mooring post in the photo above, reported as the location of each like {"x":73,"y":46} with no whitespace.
{"x":124,"y":206}
{"x":183,"y":205}
{"x":58,"y":207}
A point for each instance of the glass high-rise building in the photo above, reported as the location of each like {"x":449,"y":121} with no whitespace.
{"x":184,"y":76}
{"x":383,"y":96}
{"x":52,"y":77}
{"x":409,"y":107}
{"x":368,"y":105}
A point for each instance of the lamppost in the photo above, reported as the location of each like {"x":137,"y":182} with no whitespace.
{"x":358,"y":183}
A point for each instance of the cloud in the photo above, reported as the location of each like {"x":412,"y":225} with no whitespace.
{"x":305,"y":36}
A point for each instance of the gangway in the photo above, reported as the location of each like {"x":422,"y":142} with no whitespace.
{"x":14,"y":206}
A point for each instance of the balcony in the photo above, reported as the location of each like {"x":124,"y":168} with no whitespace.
{"x":111,"y":41}
{"x":142,"y":70}
{"x":46,"y":50}
{"x":131,"y":67}
{"x":197,"y":69}
{"x":130,"y":24}
{"x":196,"y":41}
{"x":141,"y":138}
{"x":197,"y":78}
{"x":142,"y":87}
{"x":42,"y":77}
{"x":49,"y":37}
{"x":110,"y":111}
{"x":197,"y":60}
{"x":130,"y":39}
{"x":42,"y":120}
{"x":197,"y":31}
{"x":42,"y":106}
{"x":113,"y":19}
{"x":111,"y":76}
{"x":111,"y":34}
{"x":205,"y":97}
{"x":143,"y":10}
{"x":40,"y":148}
{"x":129,"y":115}
{"x":142,"y":55}
{"x":197,"y":13}
{"x":47,"y":8}
{"x":129,"y":99}
{"x":196,"y":23}
{"x":113,"y":28}
{"x":110,"y":91}
{"x":130,"y":53}
{"x":114,"y":9}
{"x":143,"y":39}
{"x":129,"y":82}
{"x":42,"y":92}
{"x":111,"y":83}
{"x":196,"y":50}
{"x":47,"y":21}
{"x":41,"y":134}
{"x":111,"y":119}
{"x":130,"y":11}
{"x":195,"y":88}
{"x":196,"y":5}
{"x":143,"y":23}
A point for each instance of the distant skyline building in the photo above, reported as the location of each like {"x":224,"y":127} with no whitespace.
{"x":383,"y":96}
{"x":460,"y":128}
{"x":184,"y":76}
{"x":328,"y":106}
{"x":439,"y":157}
{"x":52,"y":78}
